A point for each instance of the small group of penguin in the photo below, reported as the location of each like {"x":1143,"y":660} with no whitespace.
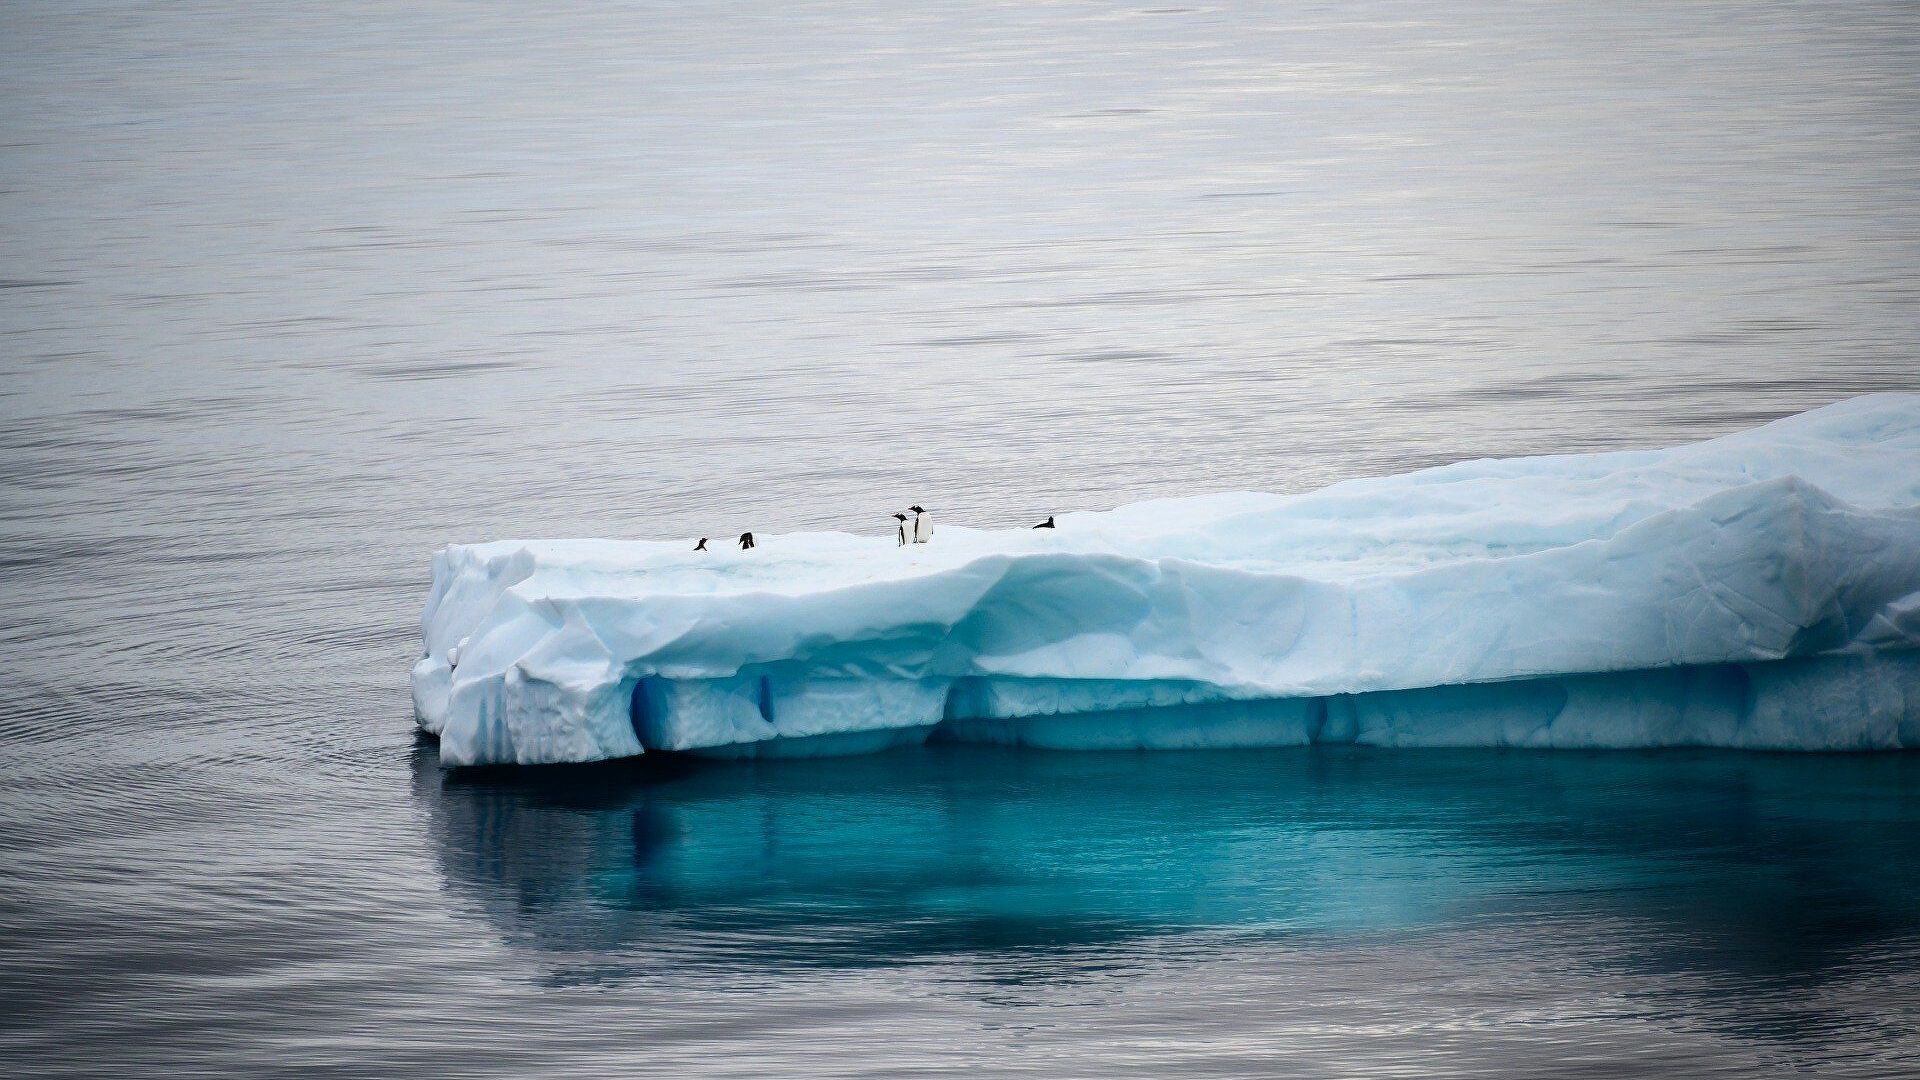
{"x":917,"y":529}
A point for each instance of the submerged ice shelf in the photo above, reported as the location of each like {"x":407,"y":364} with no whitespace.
{"x":1759,"y":590}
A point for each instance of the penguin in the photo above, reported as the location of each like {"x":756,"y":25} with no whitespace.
{"x":900,"y":533}
{"x":746,"y":541}
{"x":1047,"y":524}
{"x":922,"y":525}
{"x":702,"y":545}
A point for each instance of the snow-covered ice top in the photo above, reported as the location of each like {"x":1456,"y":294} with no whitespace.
{"x":1798,"y":539}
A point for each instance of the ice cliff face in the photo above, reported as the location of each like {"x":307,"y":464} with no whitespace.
{"x":1759,"y":590}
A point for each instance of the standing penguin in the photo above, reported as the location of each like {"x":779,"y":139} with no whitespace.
{"x":746,"y":541}
{"x":900,"y":533}
{"x":922,"y":525}
{"x":1047,"y":524}
{"x":702,"y":545}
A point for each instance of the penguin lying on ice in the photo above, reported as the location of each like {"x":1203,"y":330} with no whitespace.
{"x":1047,"y":524}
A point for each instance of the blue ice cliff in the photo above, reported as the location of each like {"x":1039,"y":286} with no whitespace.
{"x":1760,"y":590}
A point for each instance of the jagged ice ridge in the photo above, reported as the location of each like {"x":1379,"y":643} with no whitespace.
{"x":1759,"y":590}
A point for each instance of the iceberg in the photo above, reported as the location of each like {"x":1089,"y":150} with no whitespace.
{"x":1760,"y":590}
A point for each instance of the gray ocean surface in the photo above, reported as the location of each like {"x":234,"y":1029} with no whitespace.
{"x":293,"y":294}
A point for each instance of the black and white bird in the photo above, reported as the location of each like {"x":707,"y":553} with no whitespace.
{"x":702,"y":545}
{"x":922,"y":524}
{"x":746,"y":541}
{"x":900,"y":533}
{"x":1047,"y":524}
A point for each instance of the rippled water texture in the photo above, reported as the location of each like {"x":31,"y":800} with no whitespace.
{"x":292,"y":294}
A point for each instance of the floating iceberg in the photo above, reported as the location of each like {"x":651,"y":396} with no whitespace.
{"x":1760,"y":590}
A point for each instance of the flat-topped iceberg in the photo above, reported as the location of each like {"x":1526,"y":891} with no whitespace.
{"x":1759,"y":590}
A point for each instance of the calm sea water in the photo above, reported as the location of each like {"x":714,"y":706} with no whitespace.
{"x":292,"y":294}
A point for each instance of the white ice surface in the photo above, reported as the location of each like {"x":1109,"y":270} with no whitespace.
{"x":1761,"y":589}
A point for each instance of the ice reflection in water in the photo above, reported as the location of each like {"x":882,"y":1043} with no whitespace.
{"x":1665,"y":878}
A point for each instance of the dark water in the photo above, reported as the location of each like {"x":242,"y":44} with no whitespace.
{"x":290,"y":295}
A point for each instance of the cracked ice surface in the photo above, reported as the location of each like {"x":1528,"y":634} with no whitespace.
{"x":1760,"y":590}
